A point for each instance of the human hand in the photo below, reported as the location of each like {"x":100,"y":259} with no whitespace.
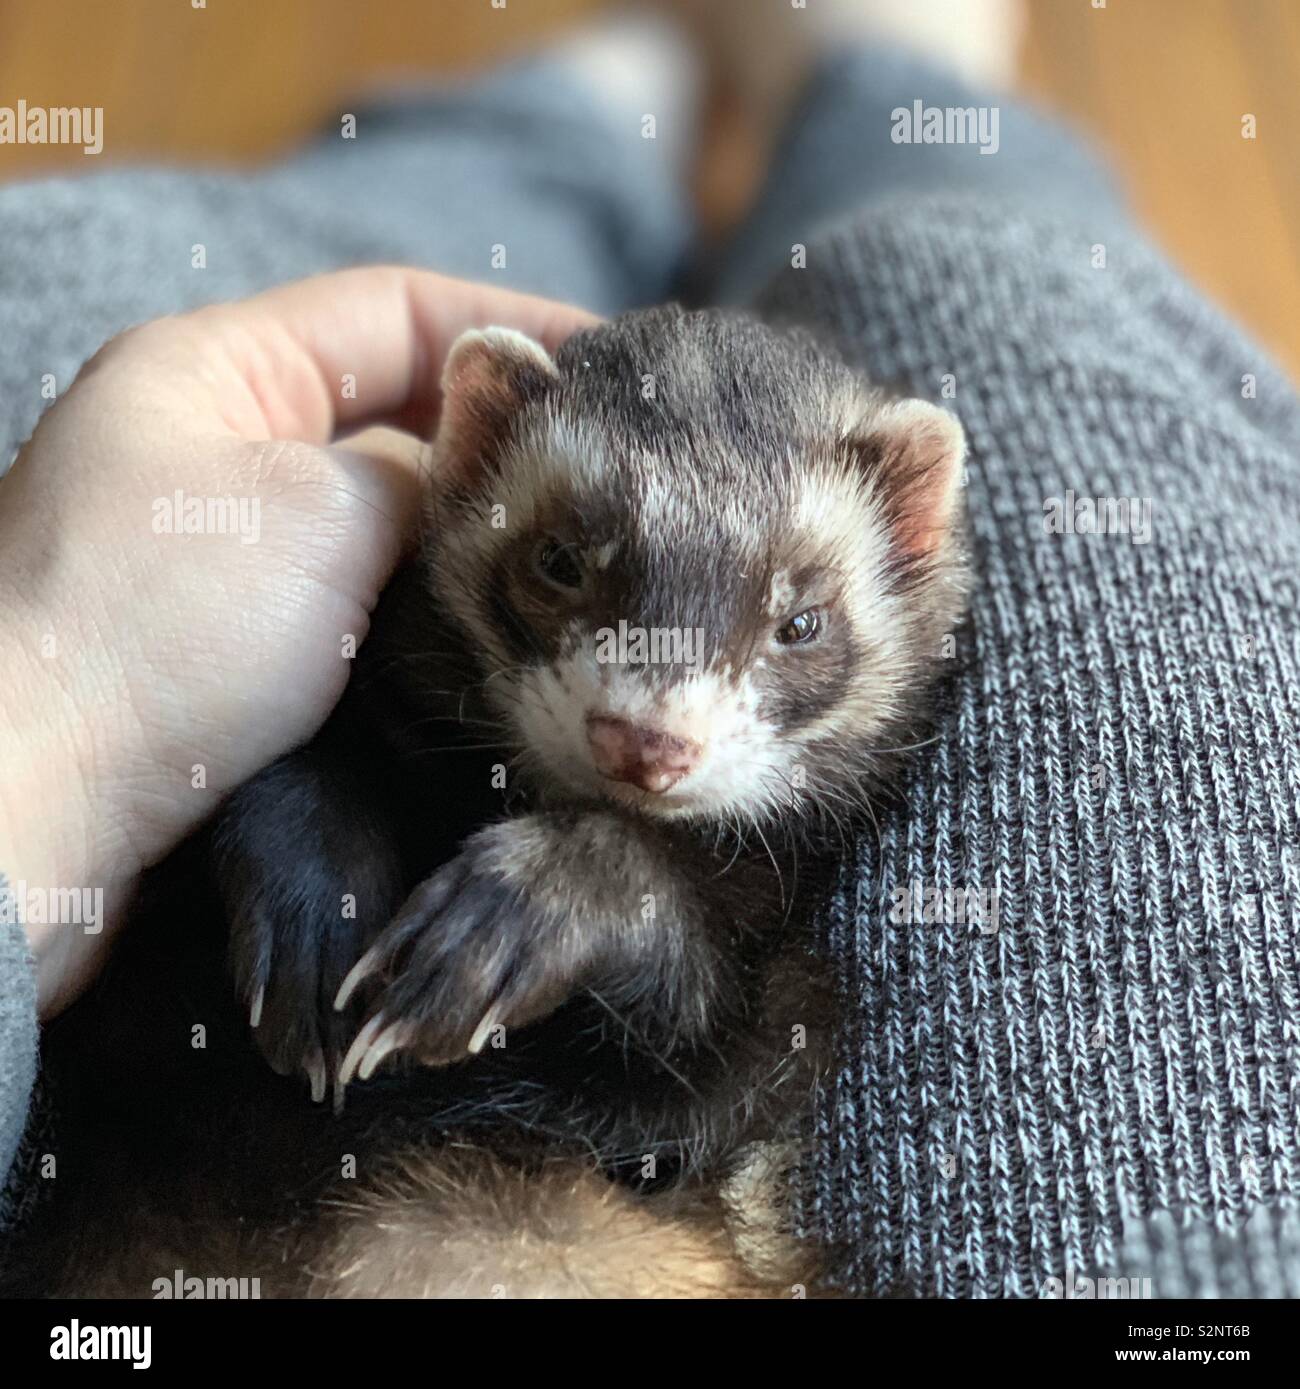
{"x":145,"y":672}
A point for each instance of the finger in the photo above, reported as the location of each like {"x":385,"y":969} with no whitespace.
{"x":310,"y":358}
{"x":384,"y":467}
{"x":383,"y":444}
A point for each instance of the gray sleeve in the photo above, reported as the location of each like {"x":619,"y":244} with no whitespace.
{"x":18,"y":1043}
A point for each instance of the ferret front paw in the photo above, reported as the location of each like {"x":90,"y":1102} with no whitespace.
{"x":468,"y":953}
{"x":288,"y":965}
{"x":308,"y":875}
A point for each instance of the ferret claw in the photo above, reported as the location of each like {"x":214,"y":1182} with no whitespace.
{"x":353,"y":977}
{"x":315,"y":1068}
{"x":360,"y":1046}
{"x":393,"y":1038}
{"x":255,"y":1012}
{"x":483,"y":1031}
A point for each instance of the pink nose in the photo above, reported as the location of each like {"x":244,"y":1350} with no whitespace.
{"x":643,"y":757}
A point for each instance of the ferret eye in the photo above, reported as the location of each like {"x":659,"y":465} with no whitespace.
{"x":559,"y":564}
{"x":802,"y":628}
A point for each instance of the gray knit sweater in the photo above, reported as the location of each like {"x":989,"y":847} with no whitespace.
{"x":1120,"y":765}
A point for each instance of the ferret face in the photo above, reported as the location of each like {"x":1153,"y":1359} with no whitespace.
{"x":692,"y":591}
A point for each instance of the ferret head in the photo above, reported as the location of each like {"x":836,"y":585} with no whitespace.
{"x":708,"y":569}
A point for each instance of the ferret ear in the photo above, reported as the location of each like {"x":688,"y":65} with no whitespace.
{"x":489,"y":376}
{"x":914,"y":453}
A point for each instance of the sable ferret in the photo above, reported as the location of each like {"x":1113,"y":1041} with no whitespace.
{"x":534,"y":907}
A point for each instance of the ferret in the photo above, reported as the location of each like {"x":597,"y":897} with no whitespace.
{"x":531,"y":921}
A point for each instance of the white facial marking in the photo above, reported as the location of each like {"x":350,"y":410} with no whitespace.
{"x":739,"y":768}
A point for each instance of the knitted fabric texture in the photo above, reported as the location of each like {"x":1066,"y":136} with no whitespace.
{"x":18,"y":1041}
{"x":1118,"y":763}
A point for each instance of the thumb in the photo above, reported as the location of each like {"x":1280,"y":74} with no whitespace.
{"x":385,"y":470}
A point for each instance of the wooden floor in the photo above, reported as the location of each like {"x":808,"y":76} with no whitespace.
{"x":1165,"y":84}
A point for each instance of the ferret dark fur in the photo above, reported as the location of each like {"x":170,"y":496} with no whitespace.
{"x":535,"y":918}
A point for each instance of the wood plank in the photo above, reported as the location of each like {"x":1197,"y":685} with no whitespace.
{"x":1165,"y":84}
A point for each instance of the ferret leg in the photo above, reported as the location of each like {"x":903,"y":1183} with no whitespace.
{"x":306,"y":861}
{"x":532,"y":911}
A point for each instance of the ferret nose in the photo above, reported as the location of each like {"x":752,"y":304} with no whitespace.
{"x":644,"y":757}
